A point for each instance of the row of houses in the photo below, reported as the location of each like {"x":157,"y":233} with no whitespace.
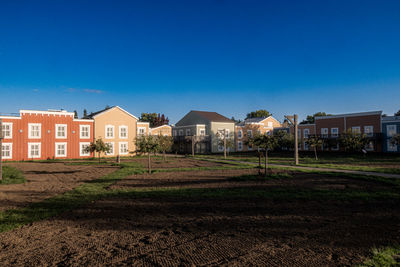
{"x":204,"y":130}
{"x":58,"y":134}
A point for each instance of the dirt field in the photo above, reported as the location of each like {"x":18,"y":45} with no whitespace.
{"x":172,"y":231}
{"x":45,"y":180}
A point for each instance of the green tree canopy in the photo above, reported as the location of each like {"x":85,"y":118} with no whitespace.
{"x":258,"y":114}
{"x":354,"y":142}
{"x":397,"y":113}
{"x":314,"y":141}
{"x":266,"y":143}
{"x":396,"y":140}
{"x":165,"y":144}
{"x":154,"y":119}
{"x":98,"y":146}
{"x":147,"y":144}
{"x":311,"y":118}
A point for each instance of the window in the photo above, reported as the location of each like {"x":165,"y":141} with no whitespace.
{"x":369,"y":130}
{"x":187,"y":132}
{"x":34,"y":150}
{"x":7,"y":130}
{"x":123,"y":148}
{"x":299,"y":134}
{"x":61,"y":131}
{"x":335,"y":147}
{"x":111,"y":146}
{"x":391,"y":147}
{"x":305,"y":145}
{"x":356,"y":130}
{"x":270,"y":124}
{"x":82,"y":150}
{"x":249,"y":147}
{"x":202,"y":132}
{"x":324,"y":132}
{"x":334,"y":132}
{"x":141,"y":130}
{"x":370,"y":146}
{"x":306,"y":132}
{"x":109,"y":131}
{"x":240,"y":134}
{"x":84,"y":131}
{"x":391,"y":130}
{"x":34,"y":130}
{"x":240,"y":145}
{"x":61,"y":149}
{"x":220,"y":147}
{"x":227,"y":133}
{"x":180,"y":132}
{"x":6,"y":150}
{"x":175,"y":133}
{"x":249,"y":133}
{"x":123,"y":132}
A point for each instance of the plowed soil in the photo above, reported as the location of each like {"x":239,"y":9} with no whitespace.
{"x":174,"y":231}
{"x":45,"y":180}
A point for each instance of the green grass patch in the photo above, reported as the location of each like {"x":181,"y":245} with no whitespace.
{"x":387,"y":256}
{"x":12,"y":175}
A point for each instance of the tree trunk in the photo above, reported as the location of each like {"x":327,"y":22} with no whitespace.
{"x":149,"y":162}
{"x":315,"y":152}
{"x":224,"y":146}
{"x":99,"y":157}
{"x":259,"y":163}
{"x":266,"y":163}
{"x":164,"y":155}
{"x":193,"y":146}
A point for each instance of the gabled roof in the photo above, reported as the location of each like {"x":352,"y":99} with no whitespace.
{"x":212,"y":116}
{"x":165,"y":125}
{"x":254,"y":120}
{"x":95,"y":114}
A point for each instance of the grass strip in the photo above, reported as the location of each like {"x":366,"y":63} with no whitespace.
{"x":12,"y":175}
{"x":387,"y":256}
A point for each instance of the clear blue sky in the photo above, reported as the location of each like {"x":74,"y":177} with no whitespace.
{"x":226,"y":56}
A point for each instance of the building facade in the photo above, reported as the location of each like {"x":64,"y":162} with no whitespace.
{"x":41,"y":135}
{"x":164,"y":130}
{"x":390,"y":128}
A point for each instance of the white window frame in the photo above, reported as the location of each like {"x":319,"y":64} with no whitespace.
{"x":306,"y":146}
{"x":108,"y":126}
{"x":30,"y":151}
{"x":56,"y":150}
{"x":10,"y":125}
{"x":81,"y":144}
{"x":356,"y":129}
{"x":120,"y":146}
{"x":240,"y":134}
{"x":390,"y":133}
{"x":391,"y":147}
{"x":188,"y":132}
{"x":368,"y":146}
{"x":30,"y":136}
{"x":113,"y":148}
{"x":335,"y":148}
{"x":324,"y":132}
{"x":180,"y":132}
{"x":240,"y":145}
{"x":306,"y":133}
{"x":369,"y":133}
{"x":333,"y":134}
{"x":249,"y":147}
{"x":249,"y":133}
{"x":126,"y":129}
{"x":299,"y":134}
{"x":270,"y":124}
{"x":65,"y":131}
{"x":10,"y":145}
{"x":81,"y":131}
{"x":202,"y":132}
{"x":144,"y":131}
{"x":220,"y":147}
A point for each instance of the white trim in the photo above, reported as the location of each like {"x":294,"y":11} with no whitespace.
{"x":391,"y":133}
{"x":306,"y":134}
{"x":80,"y":149}
{"x":113,"y":148}
{"x":354,"y":128}
{"x":56,"y":150}
{"x":65,"y":131}
{"x":36,"y":112}
{"x":10,"y":117}
{"x":105,"y":111}
{"x":10,"y":145}
{"x":359,"y":114}
{"x":83,"y":120}
{"x":369,"y":127}
{"x":140,"y":128}
{"x":335,"y":134}
{"x":80,"y":131}
{"x":11,"y":130}
{"x":30,"y":151}
{"x":143,"y":122}
{"x":251,"y":133}
{"x":240,"y":147}
{"x":391,"y":147}
{"x":119,"y":148}
{"x":119,"y":131}
{"x":241,"y":134}
{"x":165,"y":125}
{"x":30,"y":131}
{"x":106,"y":132}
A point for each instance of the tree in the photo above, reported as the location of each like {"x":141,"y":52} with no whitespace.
{"x":395,"y":140}
{"x":284,"y":139}
{"x":311,"y":118}
{"x":235,"y":120}
{"x":226,"y":140}
{"x":266,"y":143}
{"x":147,"y":144}
{"x":165,"y":144}
{"x":354,"y":142}
{"x":314,"y":141}
{"x":258,"y":114}
{"x":85,"y":113}
{"x":75,"y":114}
{"x":397,"y":113}
{"x":154,"y":119}
{"x":98,"y":146}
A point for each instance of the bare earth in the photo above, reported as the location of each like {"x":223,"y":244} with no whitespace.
{"x":171,"y":231}
{"x":45,"y":180}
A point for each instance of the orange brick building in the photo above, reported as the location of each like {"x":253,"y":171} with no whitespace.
{"x":45,"y":135}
